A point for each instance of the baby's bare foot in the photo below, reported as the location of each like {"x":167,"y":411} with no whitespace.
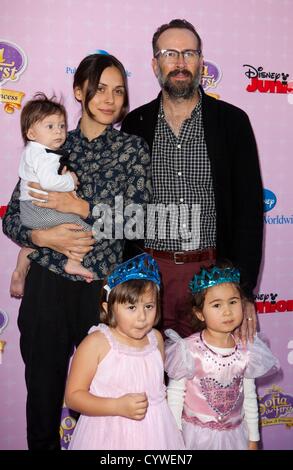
{"x":74,"y":267}
{"x":17,"y":284}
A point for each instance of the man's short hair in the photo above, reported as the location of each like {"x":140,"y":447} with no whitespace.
{"x":177,"y":23}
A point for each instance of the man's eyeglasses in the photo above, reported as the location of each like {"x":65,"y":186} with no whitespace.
{"x":172,"y":56}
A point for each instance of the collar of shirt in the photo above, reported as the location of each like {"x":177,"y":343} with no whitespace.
{"x":103,"y":137}
{"x":61,"y":152}
{"x":194,"y":114}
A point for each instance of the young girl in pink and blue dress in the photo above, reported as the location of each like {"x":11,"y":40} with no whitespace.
{"x":116,"y":380}
{"x":211,"y":390}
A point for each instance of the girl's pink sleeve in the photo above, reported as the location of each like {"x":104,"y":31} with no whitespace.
{"x":179,"y":362}
{"x":261,"y":361}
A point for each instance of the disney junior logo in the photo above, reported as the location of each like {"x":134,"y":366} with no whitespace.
{"x":268,"y":303}
{"x":267,"y":82}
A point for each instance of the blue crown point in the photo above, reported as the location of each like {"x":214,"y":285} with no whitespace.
{"x":142,"y":267}
{"x":211,"y":278}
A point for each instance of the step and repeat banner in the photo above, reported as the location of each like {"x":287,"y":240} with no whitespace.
{"x":247,"y":48}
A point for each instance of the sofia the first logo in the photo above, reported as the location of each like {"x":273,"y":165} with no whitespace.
{"x":12,"y":61}
{"x":12,"y":64}
{"x":67,"y":426}
{"x":211,"y":75}
{"x":276,"y":407}
{"x":3,"y":320}
{"x":267,"y":82}
{"x":3,"y":323}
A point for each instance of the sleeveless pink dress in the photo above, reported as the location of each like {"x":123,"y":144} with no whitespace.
{"x":129,"y":370}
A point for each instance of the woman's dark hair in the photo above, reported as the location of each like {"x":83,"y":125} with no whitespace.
{"x":38,"y":109}
{"x":127,"y":292}
{"x":177,"y":23}
{"x":91,"y":69}
{"x":197,"y":301}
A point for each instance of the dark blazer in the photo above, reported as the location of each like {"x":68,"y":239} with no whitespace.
{"x":236,"y":178}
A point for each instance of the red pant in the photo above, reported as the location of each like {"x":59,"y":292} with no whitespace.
{"x":176,"y":295}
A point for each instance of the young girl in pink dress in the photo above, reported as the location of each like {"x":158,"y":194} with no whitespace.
{"x":116,"y":379}
{"x":211,"y":390}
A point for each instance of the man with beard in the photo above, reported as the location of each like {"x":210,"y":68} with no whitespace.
{"x":207,"y":189}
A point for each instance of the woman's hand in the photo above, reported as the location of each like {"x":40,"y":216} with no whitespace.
{"x":68,"y":239}
{"x":63,"y":202}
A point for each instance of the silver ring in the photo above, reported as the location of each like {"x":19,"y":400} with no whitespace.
{"x":249,"y":319}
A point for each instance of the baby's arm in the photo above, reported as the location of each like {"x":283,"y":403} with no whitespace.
{"x":251,"y":413}
{"x":83,"y":369}
{"x":175,"y":394}
{"x":46,"y":169}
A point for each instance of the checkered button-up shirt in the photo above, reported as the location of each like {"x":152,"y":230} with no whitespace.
{"x":182,"y":183}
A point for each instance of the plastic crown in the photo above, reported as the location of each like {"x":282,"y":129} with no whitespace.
{"x":142,"y":267}
{"x":211,"y":278}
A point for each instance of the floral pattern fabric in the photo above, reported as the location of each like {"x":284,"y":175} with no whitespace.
{"x":115,"y":164}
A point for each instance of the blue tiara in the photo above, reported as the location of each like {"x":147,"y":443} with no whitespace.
{"x":142,"y":267}
{"x":211,"y":278}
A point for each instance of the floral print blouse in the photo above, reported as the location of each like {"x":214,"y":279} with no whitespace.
{"x":114,"y":166}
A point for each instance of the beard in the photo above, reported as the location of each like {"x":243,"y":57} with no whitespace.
{"x":181,"y":89}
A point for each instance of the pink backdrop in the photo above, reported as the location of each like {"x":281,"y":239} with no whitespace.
{"x":55,"y":35}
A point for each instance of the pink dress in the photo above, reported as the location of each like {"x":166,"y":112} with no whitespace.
{"x":212,"y":417}
{"x":129,"y":370}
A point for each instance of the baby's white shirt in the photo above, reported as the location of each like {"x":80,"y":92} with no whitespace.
{"x":38,"y":166}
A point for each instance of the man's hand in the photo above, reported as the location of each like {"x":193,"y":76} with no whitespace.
{"x":132,"y":405}
{"x":63,"y":202}
{"x":68,"y":239}
{"x":247,"y":329}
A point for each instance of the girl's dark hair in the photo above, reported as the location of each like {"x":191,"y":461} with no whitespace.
{"x":177,"y":23}
{"x":127,"y":292}
{"x":197,"y":301}
{"x":91,"y":69}
{"x":38,"y":109}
